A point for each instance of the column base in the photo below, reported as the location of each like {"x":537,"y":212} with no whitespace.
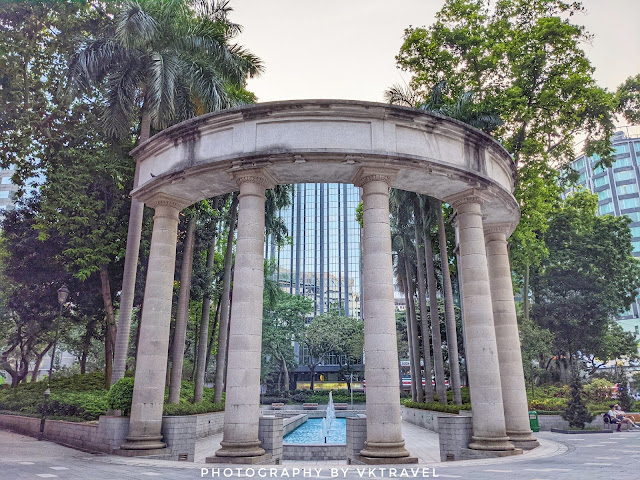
{"x":240,"y":449}
{"x":524,"y":439}
{"x":387,"y":450}
{"x":469,"y":454}
{"x":257,"y":460}
{"x":490,"y":443}
{"x":143,"y":442}
{"x":360,"y":460}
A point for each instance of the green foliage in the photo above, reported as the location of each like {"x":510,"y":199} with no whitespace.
{"x":120,"y":395}
{"x":598,"y":390}
{"x":437,"y":406}
{"x":78,"y":396}
{"x":185,"y":408}
{"x":588,"y":278}
{"x":628,"y":99}
{"x":624,"y":400}
{"x":576,"y":412}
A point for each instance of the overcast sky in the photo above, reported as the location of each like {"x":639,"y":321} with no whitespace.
{"x":346,"y":48}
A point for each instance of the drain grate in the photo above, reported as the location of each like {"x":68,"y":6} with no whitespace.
{"x":182,"y":457}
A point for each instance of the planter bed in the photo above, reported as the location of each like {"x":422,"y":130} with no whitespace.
{"x":572,"y":432}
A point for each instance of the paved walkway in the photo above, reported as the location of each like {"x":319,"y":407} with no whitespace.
{"x":560,"y":457}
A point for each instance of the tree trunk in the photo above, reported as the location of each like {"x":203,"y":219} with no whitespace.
{"x":285,"y":369}
{"x":449,"y":311}
{"x":110,"y":326}
{"x":422,"y":300}
{"x":525,"y":293}
{"x":212,"y":337}
{"x":182,"y":316}
{"x":416,"y":370}
{"x":136,"y":215}
{"x":438,"y":362}
{"x":410,"y":341}
{"x":221,"y":356}
{"x":38,"y":361}
{"x":204,"y":328}
{"x":313,"y":374}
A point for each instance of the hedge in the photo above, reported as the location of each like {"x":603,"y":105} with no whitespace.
{"x":437,"y":406}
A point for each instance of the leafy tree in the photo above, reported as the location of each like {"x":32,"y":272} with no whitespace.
{"x":624,"y":400}
{"x":576,"y":412}
{"x":536,"y":347}
{"x":588,"y":278}
{"x":327,"y":333}
{"x":614,"y":344}
{"x":282,"y":322}
{"x":628,"y":99}
{"x":160,"y":62}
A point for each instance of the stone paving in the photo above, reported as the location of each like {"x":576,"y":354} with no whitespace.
{"x":560,"y":457}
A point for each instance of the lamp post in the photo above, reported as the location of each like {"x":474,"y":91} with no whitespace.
{"x":47,"y":392}
{"x":63,"y":293}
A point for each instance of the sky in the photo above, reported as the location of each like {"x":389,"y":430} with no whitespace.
{"x":346,"y":48}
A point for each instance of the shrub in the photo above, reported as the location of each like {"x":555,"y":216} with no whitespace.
{"x":437,"y":406}
{"x":187,"y":408}
{"x":120,"y":395}
{"x":576,"y":412}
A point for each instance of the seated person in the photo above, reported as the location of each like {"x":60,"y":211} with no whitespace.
{"x":613,"y":418}
{"x":622,"y":416}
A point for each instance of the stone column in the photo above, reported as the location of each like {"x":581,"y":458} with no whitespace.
{"x":240,"y":442}
{"x":384,"y":428}
{"x":145,"y":423}
{"x":489,"y":432}
{"x":514,"y":396}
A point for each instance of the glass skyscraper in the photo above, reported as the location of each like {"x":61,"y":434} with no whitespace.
{"x":322,"y":258}
{"x":618,"y":194}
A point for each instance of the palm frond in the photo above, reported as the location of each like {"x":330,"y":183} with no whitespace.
{"x":135,"y":27}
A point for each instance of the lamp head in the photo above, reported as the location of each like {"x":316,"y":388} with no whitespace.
{"x":63,"y":293}
{"x":47,"y":392}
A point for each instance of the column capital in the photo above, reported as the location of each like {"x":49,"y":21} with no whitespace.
{"x":472,"y":195}
{"x":164,"y":200}
{"x":504,"y":228}
{"x":372,"y":174}
{"x":259,"y":176}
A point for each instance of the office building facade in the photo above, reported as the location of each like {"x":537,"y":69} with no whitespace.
{"x":618,"y":190}
{"x":7,"y":190}
{"x":321,"y":259}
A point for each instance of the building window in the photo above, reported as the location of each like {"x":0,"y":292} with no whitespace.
{"x":622,"y":162}
{"x":634,"y":216}
{"x":622,"y":148}
{"x":627,"y":189}
{"x":635,"y":232}
{"x":579,"y":164}
{"x":600,"y":181}
{"x":623,"y":175}
{"x":606,"y":208}
{"x":598,"y":169}
{"x":629,"y":203}
{"x":4,"y":193}
{"x":6,"y":180}
{"x":636,"y":247}
{"x":604,"y":194}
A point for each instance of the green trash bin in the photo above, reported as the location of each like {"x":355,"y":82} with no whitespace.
{"x":533,"y":421}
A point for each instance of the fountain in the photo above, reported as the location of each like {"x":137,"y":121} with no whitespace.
{"x":329,"y":417}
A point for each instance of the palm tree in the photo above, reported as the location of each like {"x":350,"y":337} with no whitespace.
{"x":182,"y":315}
{"x":160,"y":63}
{"x":438,"y":362}
{"x":449,"y":313}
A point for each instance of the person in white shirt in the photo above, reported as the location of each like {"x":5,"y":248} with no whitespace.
{"x":623,"y":417}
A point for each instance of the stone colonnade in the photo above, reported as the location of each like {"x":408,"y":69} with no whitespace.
{"x":493,"y":350}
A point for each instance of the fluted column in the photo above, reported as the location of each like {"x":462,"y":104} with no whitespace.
{"x":151,"y":364}
{"x":514,"y":396}
{"x":489,"y":431}
{"x":242,"y":404}
{"x":384,"y":429}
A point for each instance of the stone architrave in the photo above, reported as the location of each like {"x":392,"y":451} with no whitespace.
{"x":514,"y":394}
{"x":489,"y":430}
{"x":151,"y":364}
{"x":242,"y":403}
{"x":384,"y":425}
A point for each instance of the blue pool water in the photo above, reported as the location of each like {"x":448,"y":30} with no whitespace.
{"x":310,"y":432}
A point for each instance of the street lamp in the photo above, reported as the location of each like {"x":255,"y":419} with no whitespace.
{"x":63,"y":294}
{"x":47,"y":392}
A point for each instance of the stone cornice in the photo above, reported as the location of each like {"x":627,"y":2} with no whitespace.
{"x":254,"y":175}
{"x":504,"y":228}
{"x":468,"y":196}
{"x":164,"y":200}
{"x":374,"y":174}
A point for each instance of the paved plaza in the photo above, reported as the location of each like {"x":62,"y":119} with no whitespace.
{"x":587,"y":456}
